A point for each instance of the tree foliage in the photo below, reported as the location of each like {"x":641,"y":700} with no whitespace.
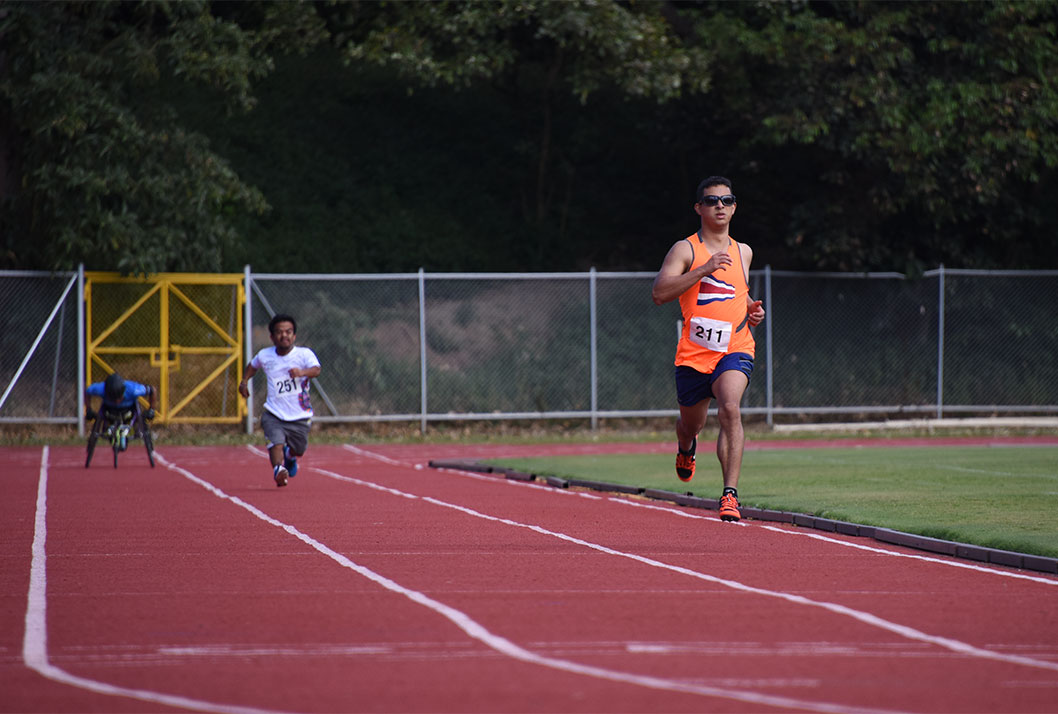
{"x":533,"y":50}
{"x":860,"y":135}
{"x":584,"y":44}
{"x":107,"y":174}
{"x":935,"y":122}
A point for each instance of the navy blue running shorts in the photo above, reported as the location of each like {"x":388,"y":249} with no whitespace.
{"x":692,"y":386}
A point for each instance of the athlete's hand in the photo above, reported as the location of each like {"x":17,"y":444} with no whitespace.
{"x":716,"y":262}
{"x":90,"y":414}
{"x":149,"y":414}
{"x":755,"y":313}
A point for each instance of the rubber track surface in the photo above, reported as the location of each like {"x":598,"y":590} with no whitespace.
{"x":373,"y":583}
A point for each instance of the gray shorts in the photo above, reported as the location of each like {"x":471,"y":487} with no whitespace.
{"x":294,"y":434}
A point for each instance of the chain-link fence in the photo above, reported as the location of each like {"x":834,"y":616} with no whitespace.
{"x":952,"y":341}
{"x":40,"y":359}
{"x":593,"y":345}
{"x":431,"y":347}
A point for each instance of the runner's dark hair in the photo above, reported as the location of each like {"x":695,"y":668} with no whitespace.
{"x":280,"y":317}
{"x":711,"y":181}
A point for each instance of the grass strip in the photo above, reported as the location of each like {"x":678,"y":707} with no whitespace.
{"x":992,"y":496}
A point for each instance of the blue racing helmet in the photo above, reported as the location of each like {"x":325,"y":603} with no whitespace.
{"x":114,"y":388}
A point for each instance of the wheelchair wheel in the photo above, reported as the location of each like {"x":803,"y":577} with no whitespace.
{"x":148,"y":443}
{"x":93,"y":437}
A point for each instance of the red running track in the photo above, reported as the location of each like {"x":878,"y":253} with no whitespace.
{"x":374,"y":584}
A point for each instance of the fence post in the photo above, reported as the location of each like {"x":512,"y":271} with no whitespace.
{"x":768,"y":373}
{"x":82,"y":340}
{"x":940,"y":342}
{"x":422,"y":348}
{"x":594,"y":352}
{"x":248,"y":337}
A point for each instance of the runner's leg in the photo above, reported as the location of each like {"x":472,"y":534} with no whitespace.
{"x":728,"y":388}
{"x":690,"y":423}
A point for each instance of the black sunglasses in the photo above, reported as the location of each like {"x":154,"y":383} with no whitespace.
{"x":728,"y":200}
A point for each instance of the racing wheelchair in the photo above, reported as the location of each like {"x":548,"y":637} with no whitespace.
{"x":119,"y":427}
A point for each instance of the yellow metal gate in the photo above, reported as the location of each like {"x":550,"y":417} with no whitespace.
{"x":178,"y":332}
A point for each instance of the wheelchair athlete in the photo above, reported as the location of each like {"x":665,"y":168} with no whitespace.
{"x":120,"y":404}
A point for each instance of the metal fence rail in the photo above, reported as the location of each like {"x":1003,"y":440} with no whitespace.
{"x":433,"y":347}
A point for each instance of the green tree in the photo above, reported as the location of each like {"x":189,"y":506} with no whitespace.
{"x":860,"y":135}
{"x":534,"y":53}
{"x":97,"y":168}
{"x":928,"y":132}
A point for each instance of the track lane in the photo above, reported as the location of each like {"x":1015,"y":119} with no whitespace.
{"x":552,"y":598}
{"x":538,"y":508}
{"x":934,"y":604}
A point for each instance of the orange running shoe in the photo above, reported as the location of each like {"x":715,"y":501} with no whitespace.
{"x":685,"y":461}
{"x":729,"y":508}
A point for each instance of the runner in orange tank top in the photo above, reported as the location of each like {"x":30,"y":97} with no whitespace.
{"x":709,"y":273}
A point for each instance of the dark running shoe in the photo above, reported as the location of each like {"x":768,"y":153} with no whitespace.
{"x":290,"y":462}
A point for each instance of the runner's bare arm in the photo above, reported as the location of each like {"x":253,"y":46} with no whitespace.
{"x":754,"y":311}
{"x":310,"y":372}
{"x":247,"y":375}
{"x":675,"y":278}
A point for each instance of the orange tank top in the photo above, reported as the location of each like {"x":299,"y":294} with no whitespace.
{"x":714,"y":312}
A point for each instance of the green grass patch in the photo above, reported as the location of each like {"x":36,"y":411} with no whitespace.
{"x":997,"y":497}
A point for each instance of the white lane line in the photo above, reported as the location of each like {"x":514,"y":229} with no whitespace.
{"x":682,"y":513}
{"x":864,"y":617}
{"x":989,"y":472}
{"x":849,"y":544}
{"x":502,"y":645}
{"x":35,"y":640}
{"x":912,"y":556}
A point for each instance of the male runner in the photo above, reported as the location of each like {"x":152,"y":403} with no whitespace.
{"x":709,"y":272}
{"x":288,"y":369}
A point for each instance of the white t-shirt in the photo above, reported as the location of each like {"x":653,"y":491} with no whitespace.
{"x":288,"y":398}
